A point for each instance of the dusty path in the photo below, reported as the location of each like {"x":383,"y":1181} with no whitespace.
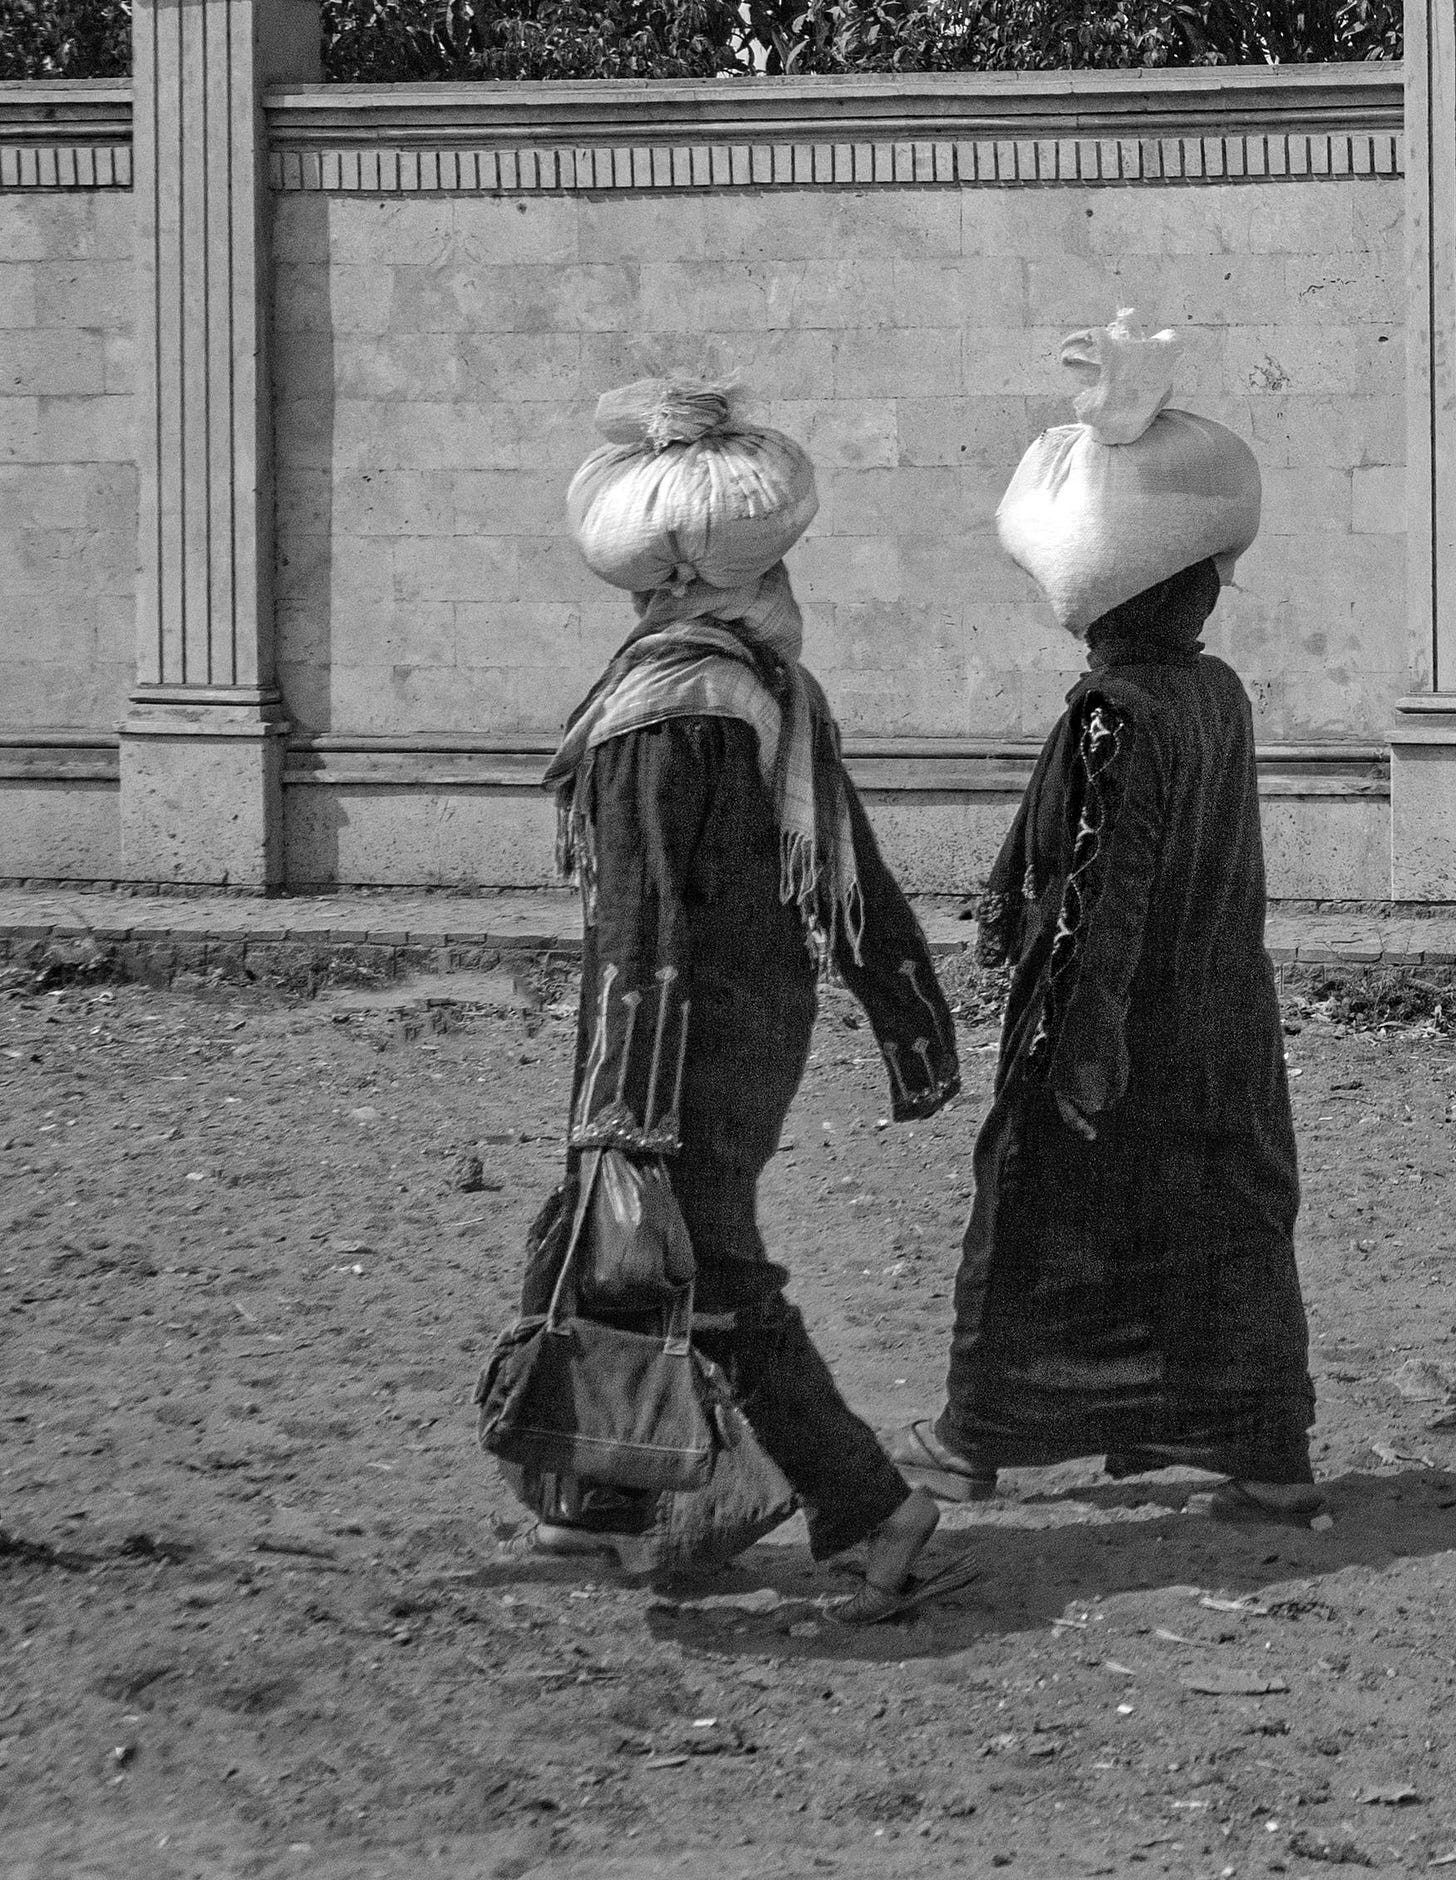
{"x":257,"y":1619}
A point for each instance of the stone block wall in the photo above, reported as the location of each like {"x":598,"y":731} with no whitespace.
{"x":68,"y":485}
{"x":377,"y":320}
{"x":439,"y":355}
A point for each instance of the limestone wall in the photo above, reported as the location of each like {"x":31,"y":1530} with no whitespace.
{"x":439,"y":356}
{"x":381,"y":406}
{"x":68,"y":507}
{"x":68,"y":480}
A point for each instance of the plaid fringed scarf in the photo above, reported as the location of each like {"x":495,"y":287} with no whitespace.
{"x":693,"y":655}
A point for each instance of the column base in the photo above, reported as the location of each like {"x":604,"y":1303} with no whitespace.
{"x":1423,"y":799}
{"x":202,"y":787}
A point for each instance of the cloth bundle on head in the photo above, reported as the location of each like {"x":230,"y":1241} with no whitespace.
{"x":1100,"y":510}
{"x":712,"y":616}
{"x":685,"y":491}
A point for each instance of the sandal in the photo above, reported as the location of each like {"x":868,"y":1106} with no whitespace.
{"x":560,"y":1541}
{"x":1293,"y":1503}
{"x":872,"y":1605}
{"x":926,"y":1462}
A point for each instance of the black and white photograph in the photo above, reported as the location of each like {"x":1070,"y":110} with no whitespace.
{"x":727,"y":939}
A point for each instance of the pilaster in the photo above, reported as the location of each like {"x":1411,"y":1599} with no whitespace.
{"x":201,"y":749}
{"x":1423,"y":741}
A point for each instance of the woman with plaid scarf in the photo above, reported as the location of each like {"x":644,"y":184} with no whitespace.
{"x":725,"y":860}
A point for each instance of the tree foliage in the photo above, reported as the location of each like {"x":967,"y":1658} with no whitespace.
{"x":65,"y":38}
{"x":399,"y":39}
{"x":381,"y":40}
{"x":1038,"y":35}
{"x":960,"y":35}
{"x":1235,"y":32}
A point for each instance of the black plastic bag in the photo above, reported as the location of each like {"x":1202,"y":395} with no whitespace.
{"x":638,"y":1255}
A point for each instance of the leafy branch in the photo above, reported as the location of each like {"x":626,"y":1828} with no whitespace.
{"x":379,"y":41}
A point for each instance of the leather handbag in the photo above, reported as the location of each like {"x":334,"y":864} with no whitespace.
{"x":568,"y":1395}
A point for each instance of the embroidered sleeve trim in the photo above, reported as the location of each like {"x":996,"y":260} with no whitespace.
{"x":605,"y":1117}
{"x":1101,"y":745}
{"x":993,"y":930}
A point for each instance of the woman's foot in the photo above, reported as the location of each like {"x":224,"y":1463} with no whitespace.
{"x":926,"y":1462}
{"x":894,"y":1547}
{"x":562,"y":1541}
{"x":1267,"y":1501}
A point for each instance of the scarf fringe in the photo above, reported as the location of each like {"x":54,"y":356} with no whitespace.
{"x":825,"y":915}
{"x":576,"y":844}
{"x":853,"y":905}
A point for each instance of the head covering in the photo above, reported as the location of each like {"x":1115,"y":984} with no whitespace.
{"x":686,"y":489}
{"x":1102,"y":510}
{"x":693,"y":510}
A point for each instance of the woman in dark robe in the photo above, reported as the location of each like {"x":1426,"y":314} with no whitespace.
{"x":1128,"y":1283}
{"x":723,"y":853}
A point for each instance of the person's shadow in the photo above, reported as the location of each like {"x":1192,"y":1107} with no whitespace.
{"x":1031,"y":1576}
{"x":1039,"y":1564}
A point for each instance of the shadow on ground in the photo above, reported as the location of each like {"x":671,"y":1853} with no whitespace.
{"x":1046,"y":1555}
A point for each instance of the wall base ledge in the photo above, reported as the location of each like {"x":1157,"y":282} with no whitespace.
{"x":1427,"y":719}
{"x":1423,"y":799}
{"x":201,"y":791}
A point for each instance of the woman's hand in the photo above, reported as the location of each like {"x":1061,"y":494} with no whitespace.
{"x":1074,"y":1119}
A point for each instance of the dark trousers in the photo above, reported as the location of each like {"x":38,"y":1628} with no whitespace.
{"x":846,"y":1483}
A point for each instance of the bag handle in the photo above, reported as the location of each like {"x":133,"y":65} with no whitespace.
{"x":563,"y":1299}
{"x":677,"y":1340}
{"x":679,"y":1337}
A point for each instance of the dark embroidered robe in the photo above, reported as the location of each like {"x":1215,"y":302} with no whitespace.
{"x":1138,"y":1291}
{"x":699,"y":988}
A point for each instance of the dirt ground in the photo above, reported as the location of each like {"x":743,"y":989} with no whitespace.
{"x":259,"y":1618}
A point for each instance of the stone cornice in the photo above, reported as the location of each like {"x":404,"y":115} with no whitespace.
{"x":63,"y":133}
{"x":1313,"y":100}
{"x":65,"y":111}
{"x":961,"y":129}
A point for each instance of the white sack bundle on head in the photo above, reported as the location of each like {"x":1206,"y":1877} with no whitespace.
{"x":1100,"y":510}
{"x":686,"y":492}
